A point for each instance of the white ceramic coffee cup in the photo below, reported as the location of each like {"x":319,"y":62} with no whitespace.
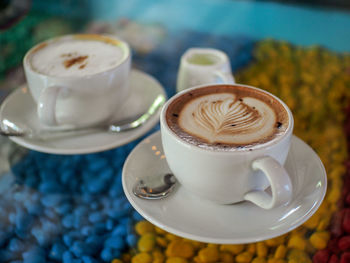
{"x":79,"y":100}
{"x":199,"y":66}
{"x":228,"y":177}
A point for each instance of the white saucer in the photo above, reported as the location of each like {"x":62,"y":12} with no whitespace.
{"x":19,"y":107}
{"x":185,"y":215}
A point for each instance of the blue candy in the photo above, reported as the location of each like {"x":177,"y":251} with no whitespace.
{"x":119,"y":230}
{"x":97,"y":185}
{"x":79,"y":248}
{"x":50,"y":200}
{"x":43,"y":238}
{"x":87,"y":230}
{"x":50,"y":213}
{"x":97,"y":164}
{"x":131,"y":240}
{"x":68,"y":221}
{"x":109,"y":224}
{"x":67,"y":257}
{"x":70,"y":237}
{"x":33,"y":207}
{"x":56,"y":252}
{"x":34,"y":255}
{"x":7,"y":255}
{"x":87,"y":259}
{"x":81,"y":210}
{"x":106,"y":174}
{"x":95,"y":243}
{"x":63,"y":208}
{"x":50,"y":187}
{"x":107,"y":254}
{"x":16,"y":245}
{"x":96,"y":217}
{"x":137,"y":216}
{"x":67,"y":176}
{"x":115,"y":242}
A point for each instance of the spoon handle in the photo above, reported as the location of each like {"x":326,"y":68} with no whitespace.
{"x":157,"y":104}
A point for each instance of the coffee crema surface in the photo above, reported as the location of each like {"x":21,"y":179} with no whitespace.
{"x":227,"y":117}
{"x":75,"y":57}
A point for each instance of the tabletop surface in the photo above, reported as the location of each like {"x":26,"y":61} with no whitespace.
{"x":72,"y":208}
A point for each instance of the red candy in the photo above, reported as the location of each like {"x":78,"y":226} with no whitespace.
{"x":344,"y":243}
{"x":321,"y":256}
{"x":337,"y":222}
{"x":345,"y":257}
{"x":347,"y":199}
{"x":346,"y":221}
{"x":333,"y":245}
{"x":333,"y":259}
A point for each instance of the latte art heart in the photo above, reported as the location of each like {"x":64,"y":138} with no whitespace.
{"x":224,"y":118}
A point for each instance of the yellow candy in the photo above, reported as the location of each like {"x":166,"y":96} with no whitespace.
{"x":161,"y":241}
{"x":261,"y":249}
{"x":146,"y":242}
{"x":126,"y":257}
{"x":208,"y":254}
{"x":176,"y":260}
{"x":159,"y":230}
{"x":117,"y":261}
{"x":313,"y":221}
{"x":275,"y":241}
{"x":226,"y":257}
{"x":158,"y":257}
{"x":251,"y":248}
{"x":234,"y":249}
{"x":280,"y":252}
{"x":171,"y":237}
{"x":213,"y":245}
{"x":298,"y":256}
{"x":276,"y":260}
{"x":319,"y":240}
{"x":324,"y":222}
{"x":197,"y":244}
{"x":259,"y":260}
{"x":180,"y":248}
{"x":334,"y":195}
{"x":142,"y":258}
{"x":144,"y":227}
{"x":297,"y":241}
{"x":244,"y":257}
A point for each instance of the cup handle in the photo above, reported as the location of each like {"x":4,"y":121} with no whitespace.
{"x":224,"y":78}
{"x":281,"y":186}
{"x":47,"y":105}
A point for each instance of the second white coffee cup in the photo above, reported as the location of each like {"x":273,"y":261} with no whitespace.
{"x":225,"y":172}
{"x":78,"y":80}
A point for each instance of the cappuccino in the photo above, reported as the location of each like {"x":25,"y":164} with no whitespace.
{"x":227,"y":117}
{"x":77,"y":56}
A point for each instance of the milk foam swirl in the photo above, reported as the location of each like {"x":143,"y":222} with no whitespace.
{"x":223,"y":118}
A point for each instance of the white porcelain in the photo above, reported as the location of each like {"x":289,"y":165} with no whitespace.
{"x":20,"y":108}
{"x":189,"y":216}
{"x":228,"y":177}
{"x":191,"y":73}
{"x":79,"y":100}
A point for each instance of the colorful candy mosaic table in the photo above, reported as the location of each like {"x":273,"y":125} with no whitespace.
{"x":72,"y":208}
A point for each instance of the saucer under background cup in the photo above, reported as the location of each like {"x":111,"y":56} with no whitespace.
{"x":186,"y":215}
{"x":20,"y":108}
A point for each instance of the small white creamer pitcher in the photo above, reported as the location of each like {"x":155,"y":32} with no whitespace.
{"x":199,"y":66}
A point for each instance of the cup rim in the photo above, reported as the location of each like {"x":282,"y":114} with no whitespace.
{"x":123,"y":44}
{"x":266,"y":145}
